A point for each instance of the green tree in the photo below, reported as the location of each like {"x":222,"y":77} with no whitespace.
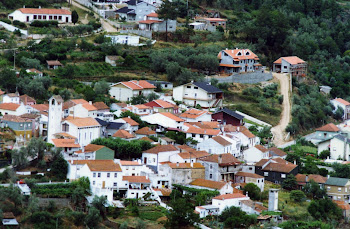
{"x":234,"y":217}
{"x":75,"y":16}
{"x":93,"y":218}
{"x":181,"y":214}
{"x":101,"y":87}
{"x":37,"y":148}
{"x":152,"y":96}
{"x":313,"y":190}
{"x":290,"y":182}
{"x":99,"y":203}
{"x":167,"y":11}
{"x":140,"y":99}
{"x":339,"y":113}
{"x":59,"y":168}
{"x":253,"y":190}
{"x":78,"y":197}
{"x":297,"y":195}
{"x":20,"y":158}
{"x":33,"y":204}
{"x":324,"y":209}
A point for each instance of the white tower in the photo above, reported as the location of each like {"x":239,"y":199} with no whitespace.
{"x":55,"y":117}
{"x":273,"y":199}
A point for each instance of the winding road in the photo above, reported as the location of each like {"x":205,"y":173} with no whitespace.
{"x":278,"y":131}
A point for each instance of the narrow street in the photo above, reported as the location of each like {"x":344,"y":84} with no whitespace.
{"x":278,"y":131}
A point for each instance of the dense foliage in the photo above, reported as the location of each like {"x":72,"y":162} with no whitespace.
{"x":234,"y":217}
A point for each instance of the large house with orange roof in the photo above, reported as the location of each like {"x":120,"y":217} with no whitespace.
{"x":69,"y":146}
{"x":130,"y":124}
{"x":32,"y":14}
{"x":195,"y":115}
{"x":140,"y":109}
{"x":160,"y":105}
{"x":221,"y":144}
{"x":79,"y":108}
{"x":12,"y":109}
{"x":290,"y":64}
{"x":238,"y":61}
{"x":124,"y":91}
{"x":345,"y":105}
{"x":198,"y":133}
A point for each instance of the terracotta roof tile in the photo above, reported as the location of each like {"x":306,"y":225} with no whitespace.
{"x":123,"y":134}
{"x":164,"y":104}
{"x":152,"y":15}
{"x":145,"y":131}
{"x":229,"y":196}
{"x":219,"y":139}
{"x":161,"y":148}
{"x":82,"y":122}
{"x":342,"y":204}
{"x":194,"y":154}
{"x":144,"y":84}
{"x":91,"y":148}
{"x":208,"y":183}
{"x":225,"y":159}
{"x":346,"y":103}
{"x":44,"y":11}
{"x":233,"y":53}
{"x":62,"y":143}
{"x":277,"y":151}
{"x":137,"y":179}
{"x":164,"y":191}
{"x":14,"y":118}
{"x":330,"y":127}
{"x":26,"y":98}
{"x":100,"y":106}
{"x":257,"y":207}
{"x":171,"y":116}
{"x":290,"y":59}
{"x":146,"y":139}
{"x":9,"y":106}
{"x":276,"y":165}
{"x":244,"y":174}
{"x":261,"y":148}
{"x":131,"y":121}
{"x":193,"y":113}
{"x":303,"y":178}
{"x":130,"y":163}
{"x":54,"y":63}
{"x":89,"y":107}
{"x":103,"y":166}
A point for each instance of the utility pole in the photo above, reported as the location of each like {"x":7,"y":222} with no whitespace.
{"x":14,"y":59}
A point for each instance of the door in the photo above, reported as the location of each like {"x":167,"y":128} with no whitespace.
{"x":66,"y":19}
{"x":103,"y":184}
{"x":145,"y":160}
{"x":246,"y":68}
{"x":27,"y":18}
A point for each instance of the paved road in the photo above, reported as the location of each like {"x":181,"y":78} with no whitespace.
{"x":279,"y":130}
{"x":106,"y":26}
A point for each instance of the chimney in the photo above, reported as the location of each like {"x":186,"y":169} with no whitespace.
{"x":238,"y":129}
{"x":328,"y":176}
{"x":39,"y":7}
{"x":90,"y":102}
{"x":226,"y":48}
{"x":146,"y":176}
{"x":24,"y":6}
{"x":295,"y":162}
{"x":220,"y":159}
{"x":191,"y":164}
{"x":306,"y":178}
{"x":71,"y":161}
{"x":83,"y":149}
{"x":246,"y":194}
{"x":177,"y":164}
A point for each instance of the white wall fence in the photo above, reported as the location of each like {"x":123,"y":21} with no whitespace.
{"x":143,"y":33}
{"x":12,"y":28}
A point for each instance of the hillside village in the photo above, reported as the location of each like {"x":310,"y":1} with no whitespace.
{"x":163,"y":114}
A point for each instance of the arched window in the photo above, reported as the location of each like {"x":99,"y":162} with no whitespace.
{"x":53,"y":102}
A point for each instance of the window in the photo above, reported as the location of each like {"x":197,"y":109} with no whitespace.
{"x":328,"y":188}
{"x":193,"y":135}
{"x":258,"y":181}
{"x":94,"y":174}
{"x":60,"y":17}
{"x":115,"y":174}
{"x":98,"y":174}
{"x":195,"y":87}
{"x":35,"y":17}
{"x":210,"y":176}
{"x":21,"y":124}
{"x":283,"y":175}
{"x":39,"y":17}
{"x":108,"y":174}
{"x":154,"y":160}
{"x":93,"y":182}
{"x":285,"y":67}
{"x":189,"y":87}
{"x":114,"y":184}
{"x":211,"y":166}
{"x":250,"y":168}
{"x":55,"y":17}
{"x":50,"y":17}
{"x":266,"y":174}
{"x":44,"y":17}
{"x":339,"y":189}
{"x":201,"y":136}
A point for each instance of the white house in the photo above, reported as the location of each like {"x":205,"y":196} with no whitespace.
{"x":35,"y":72}
{"x":153,"y":23}
{"x":220,"y":144}
{"x":199,"y":93}
{"x":84,"y":129}
{"x":124,"y":91}
{"x":131,"y":168}
{"x":290,"y":64}
{"x":244,"y":177}
{"x":69,"y":146}
{"x":13,"y":109}
{"x":41,"y":14}
{"x":104,"y":175}
{"x":188,"y":157}
{"x":255,"y":154}
{"x":183,"y":173}
{"x":140,"y":109}
{"x":238,"y":60}
{"x":339,"y":148}
{"x":129,"y":124}
{"x":345,"y":105}
{"x":136,"y":10}
{"x":222,"y":187}
{"x":79,"y":108}
{"x":160,"y":153}
{"x":195,"y":115}
{"x":247,"y":138}
{"x":206,"y":210}
{"x":228,"y":200}
{"x":11,"y":98}
{"x":164,"y":120}
{"x":138,"y":186}
{"x":124,"y":39}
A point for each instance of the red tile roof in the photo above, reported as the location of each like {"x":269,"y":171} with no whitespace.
{"x":149,"y":21}
{"x":244,"y":174}
{"x":101,"y":106}
{"x":145,"y":131}
{"x":161,"y":148}
{"x":276,"y":165}
{"x":123,"y":134}
{"x":152,"y":15}
{"x":303,"y":178}
{"x":9,"y":106}
{"x":137,"y":179}
{"x":164,"y":104}
{"x":290,"y":59}
{"x":215,"y":19}
{"x":103,"y":166}
{"x":54,"y":63}
{"x":342,"y":204}
{"x":344,"y":102}
{"x":229,"y":196}
{"x":225,"y":159}
{"x":208,"y":183}
{"x":62,"y":143}
{"x":44,"y":11}
{"x":233,"y":53}
{"x":89,"y":107}
{"x":194,"y":154}
{"x":330,"y":127}
{"x":41,"y":107}
{"x":91,"y":148}
{"x":186,"y":166}
{"x":131,"y":121}
{"x":277,"y":151}
{"x":82,"y":122}
{"x":171,"y":116}
{"x":129,"y":163}
{"x":261,"y":148}
{"x":15,"y":118}
{"x":219,"y":139}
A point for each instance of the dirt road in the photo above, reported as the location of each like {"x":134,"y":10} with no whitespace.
{"x":279,"y":130}
{"x":106,"y":26}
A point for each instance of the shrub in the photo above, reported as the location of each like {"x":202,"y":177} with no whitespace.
{"x":297,"y":196}
{"x":19,"y":24}
{"x":6,"y":20}
{"x":44,"y":23}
